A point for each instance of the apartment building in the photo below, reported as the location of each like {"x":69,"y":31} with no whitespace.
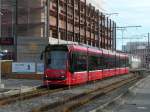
{"x":54,"y":21}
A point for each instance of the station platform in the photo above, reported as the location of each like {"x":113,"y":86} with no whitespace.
{"x":16,"y":86}
{"x":136,"y":100}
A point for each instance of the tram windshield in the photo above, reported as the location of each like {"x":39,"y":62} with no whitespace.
{"x":56,"y":60}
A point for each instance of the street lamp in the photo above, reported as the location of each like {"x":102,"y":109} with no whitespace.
{"x":129,"y":27}
{"x":1,"y":85}
{"x":110,"y":14}
{"x":0,"y":17}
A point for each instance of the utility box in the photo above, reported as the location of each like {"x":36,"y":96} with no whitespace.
{"x":6,"y":67}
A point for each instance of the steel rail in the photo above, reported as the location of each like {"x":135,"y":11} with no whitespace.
{"x":27,"y":95}
{"x":72,"y":102}
{"x":87,"y":99}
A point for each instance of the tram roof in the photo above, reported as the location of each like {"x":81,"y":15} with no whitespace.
{"x":85,"y":48}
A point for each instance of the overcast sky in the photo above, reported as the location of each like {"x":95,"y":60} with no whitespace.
{"x":131,"y":13}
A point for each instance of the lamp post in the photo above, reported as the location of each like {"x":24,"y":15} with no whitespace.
{"x":0,"y":18}
{"x":1,"y":85}
{"x":110,"y":14}
{"x":0,"y":37}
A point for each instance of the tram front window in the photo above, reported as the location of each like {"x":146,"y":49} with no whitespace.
{"x":56,"y":60}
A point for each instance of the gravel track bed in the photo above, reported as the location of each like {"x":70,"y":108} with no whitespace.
{"x":91,"y":106}
{"x":28,"y":105}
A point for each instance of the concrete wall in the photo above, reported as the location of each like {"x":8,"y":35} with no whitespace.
{"x":29,"y":48}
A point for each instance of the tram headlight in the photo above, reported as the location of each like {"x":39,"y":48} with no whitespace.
{"x":62,"y":76}
{"x":46,"y":75}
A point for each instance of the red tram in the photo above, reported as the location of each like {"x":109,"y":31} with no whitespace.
{"x":75,"y":64}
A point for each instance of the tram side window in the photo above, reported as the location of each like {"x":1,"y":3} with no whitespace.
{"x":95,"y":62}
{"x":114,"y":61}
{"x":100,"y":62}
{"x":111,"y":62}
{"x":79,"y":62}
{"x":105,"y":62}
{"x":117,"y":62}
{"x":127,"y":62}
{"x":113,"y":65}
{"x":122,"y":62}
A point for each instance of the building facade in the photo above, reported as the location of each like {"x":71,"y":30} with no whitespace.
{"x":139,"y":49}
{"x":53,"y":21}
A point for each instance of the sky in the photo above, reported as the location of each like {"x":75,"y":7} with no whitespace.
{"x":130,"y":13}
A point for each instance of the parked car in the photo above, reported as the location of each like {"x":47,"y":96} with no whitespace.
{"x":6,"y":55}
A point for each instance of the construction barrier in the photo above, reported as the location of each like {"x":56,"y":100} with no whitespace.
{"x":9,"y":70}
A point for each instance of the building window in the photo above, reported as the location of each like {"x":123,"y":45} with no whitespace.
{"x":54,"y":34}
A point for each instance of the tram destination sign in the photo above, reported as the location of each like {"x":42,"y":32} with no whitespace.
{"x":6,"y":41}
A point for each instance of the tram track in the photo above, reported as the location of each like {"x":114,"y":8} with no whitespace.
{"x":89,"y":98}
{"x":42,"y":97}
{"x":28,"y":95}
{"x":33,"y":94}
{"x":70,"y":103}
